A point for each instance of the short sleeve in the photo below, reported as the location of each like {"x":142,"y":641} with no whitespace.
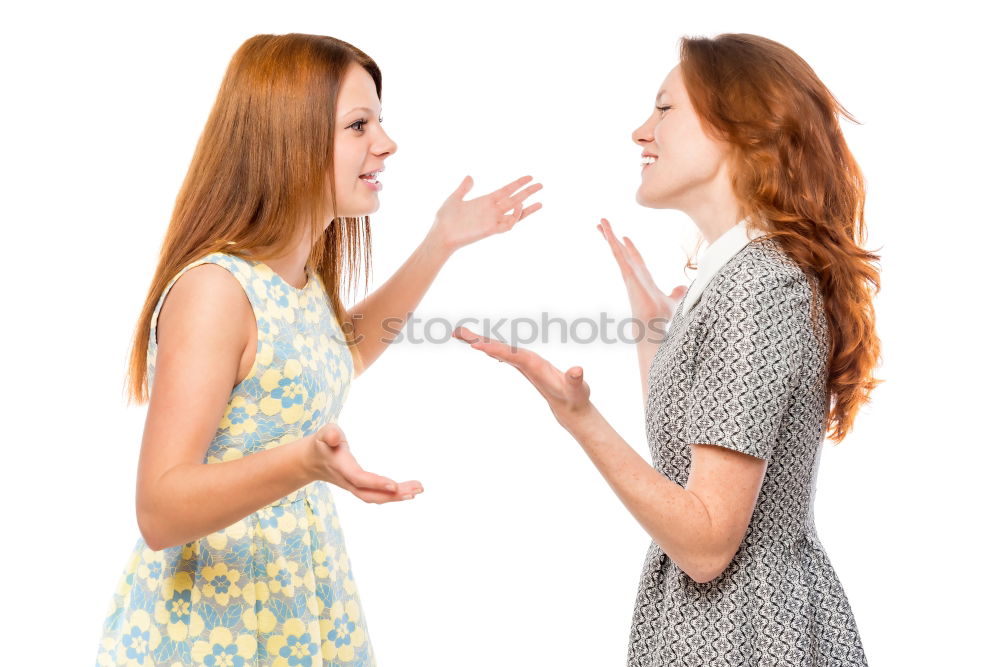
{"x":746,"y":363}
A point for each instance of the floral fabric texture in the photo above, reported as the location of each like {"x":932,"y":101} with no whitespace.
{"x":276,"y":587}
{"x":745,"y":369}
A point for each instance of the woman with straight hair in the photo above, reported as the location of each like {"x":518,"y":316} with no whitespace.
{"x":770,"y":348}
{"x":241,"y":559}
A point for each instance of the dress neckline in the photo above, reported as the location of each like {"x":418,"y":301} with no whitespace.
{"x":304,"y":288}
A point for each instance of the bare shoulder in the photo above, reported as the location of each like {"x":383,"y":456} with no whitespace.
{"x":205,"y":308}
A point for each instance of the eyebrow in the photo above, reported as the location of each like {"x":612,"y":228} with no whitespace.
{"x":347,"y":113}
{"x":661,"y":94}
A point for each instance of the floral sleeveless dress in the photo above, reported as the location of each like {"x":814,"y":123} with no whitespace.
{"x":276,"y":587}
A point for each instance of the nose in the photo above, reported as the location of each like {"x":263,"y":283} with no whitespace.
{"x":643,"y":134}
{"x":385,"y":146}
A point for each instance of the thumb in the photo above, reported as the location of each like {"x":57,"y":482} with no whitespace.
{"x":331,"y":435}
{"x":574,"y":378}
{"x":679,"y":291}
{"x":463,"y":188}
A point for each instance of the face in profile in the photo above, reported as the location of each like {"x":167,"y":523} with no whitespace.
{"x":682,"y":165}
{"x":360,"y":145}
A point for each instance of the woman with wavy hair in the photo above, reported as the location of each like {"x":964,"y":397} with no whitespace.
{"x":241,"y":559}
{"x":771,"y":348}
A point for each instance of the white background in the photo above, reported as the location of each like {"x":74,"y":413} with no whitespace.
{"x":518,"y":553}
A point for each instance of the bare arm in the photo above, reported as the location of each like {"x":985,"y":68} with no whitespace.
{"x":381,"y":315}
{"x":701,"y":526}
{"x":204,"y":329}
{"x":379,"y":318}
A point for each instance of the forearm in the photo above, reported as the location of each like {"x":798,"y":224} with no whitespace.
{"x":193,"y":500}
{"x":672,"y":516}
{"x":380,"y":316}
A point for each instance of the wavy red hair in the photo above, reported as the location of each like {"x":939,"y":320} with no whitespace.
{"x":798,"y":182}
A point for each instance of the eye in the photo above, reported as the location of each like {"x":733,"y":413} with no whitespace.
{"x":664,"y":108}
{"x":358,"y":125}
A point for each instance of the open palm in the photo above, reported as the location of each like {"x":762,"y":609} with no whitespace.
{"x":459,"y":222}
{"x":566,"y":393}
{"x":648,"y":301}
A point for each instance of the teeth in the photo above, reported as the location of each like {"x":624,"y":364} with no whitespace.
{"x":371,"y":176}
{"x":649,"y":159}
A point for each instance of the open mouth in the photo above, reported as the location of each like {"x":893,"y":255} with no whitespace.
{"x":371,"y":176}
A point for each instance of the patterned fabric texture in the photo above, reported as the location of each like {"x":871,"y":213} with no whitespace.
{"x":746,"y":370}
{"x":276,"y":587}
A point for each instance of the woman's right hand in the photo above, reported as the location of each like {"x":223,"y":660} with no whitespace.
{"x":329,"y":458}
{"x":647,"y":300}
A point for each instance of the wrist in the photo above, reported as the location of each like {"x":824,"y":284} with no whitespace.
{"x":582,"y":421}
{"x":437,"y":247}
{"x":303,"y":450}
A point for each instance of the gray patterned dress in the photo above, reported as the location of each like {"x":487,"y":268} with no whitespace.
{"x":745,"y":369}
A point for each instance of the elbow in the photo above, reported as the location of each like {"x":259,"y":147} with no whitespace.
{"x":149,"y":536}
{"x":150,"y":530}
{"x":707,"y":568}
{"x":704,"y":575}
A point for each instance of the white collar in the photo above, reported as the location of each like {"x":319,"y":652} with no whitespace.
{"x":716,"y":255}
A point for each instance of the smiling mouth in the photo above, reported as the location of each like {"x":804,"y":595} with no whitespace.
{"x":371,"y":176}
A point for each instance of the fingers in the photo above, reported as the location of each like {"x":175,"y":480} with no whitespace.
{"x":514,"y":201}
{"x":531,"y":209}
{"x":617,"y":249}
{"x":368,"y":480}
{"x":511,"y":187}
{"x":405,"y":491}
{"x":463,"y":188}
{"x":610,"y":235}
{"x":495,"y":349}
{"x":633,"y":252}
{"x":356,"y":476}
{"x":467,"y":335}
{"x":509,"y":220}
{"x":523,"y":194}
{"x":526,"y":362}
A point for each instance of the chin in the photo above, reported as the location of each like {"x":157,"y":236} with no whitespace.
{"x":362,"y":211}
{"x":643,"y":199}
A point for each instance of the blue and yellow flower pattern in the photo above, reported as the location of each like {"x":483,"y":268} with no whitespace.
{"x":276,"y":587}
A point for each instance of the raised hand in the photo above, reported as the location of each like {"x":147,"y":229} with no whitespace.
{"x":459,"y":222}
{"x":567,"y":394}
{"x":647,"y":300}
{"x":330,"y":459}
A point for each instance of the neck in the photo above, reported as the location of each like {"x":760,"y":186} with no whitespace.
{"x":291,"y":265}
{"x":715,"y":209}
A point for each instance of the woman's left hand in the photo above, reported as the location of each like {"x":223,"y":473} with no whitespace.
{"x":460,"y":222}
{"x":567,"y":394}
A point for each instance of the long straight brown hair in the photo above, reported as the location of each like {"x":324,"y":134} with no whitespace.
{"x":797,"y":181}
{"x":261,"y":169}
